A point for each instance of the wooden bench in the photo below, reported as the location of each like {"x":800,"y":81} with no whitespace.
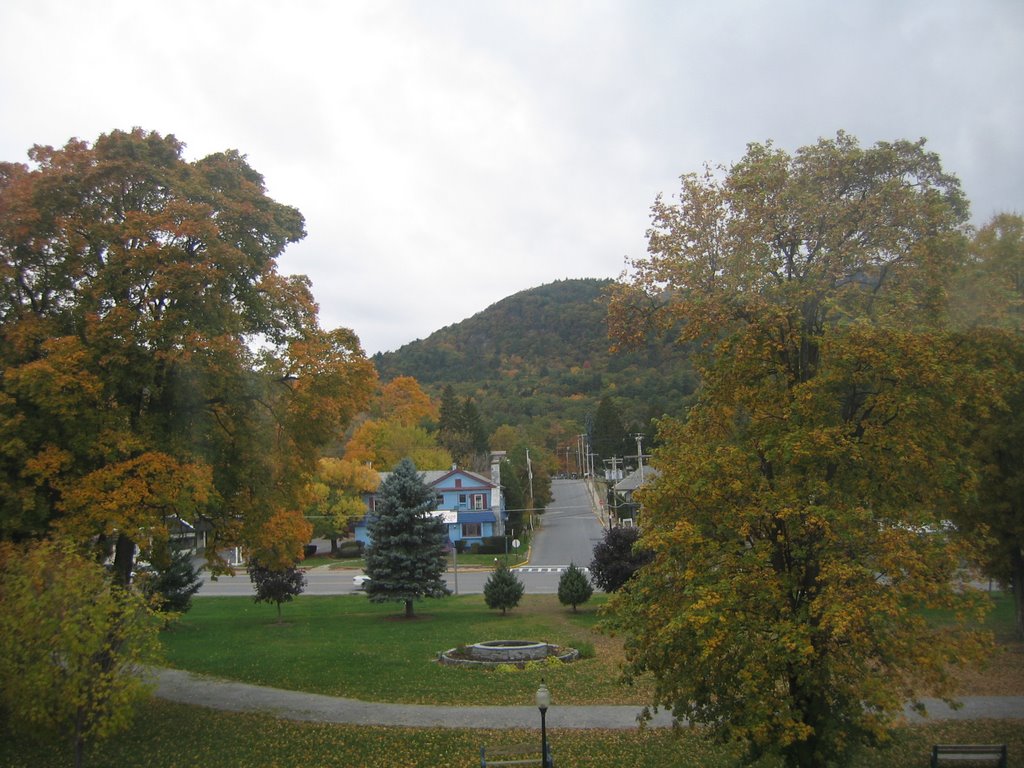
{"x":514,"y":755}
{"x":977,"y":753}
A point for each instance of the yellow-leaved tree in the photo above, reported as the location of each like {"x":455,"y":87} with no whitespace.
{"x":336,"y":497}
{"x":797,"y":524}
{"x":70,"y":644}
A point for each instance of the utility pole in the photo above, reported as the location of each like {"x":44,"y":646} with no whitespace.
{"x":529,"y":474}
{"x":640,"y":455}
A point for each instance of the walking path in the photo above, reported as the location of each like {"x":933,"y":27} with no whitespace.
{"x":189,"y":688}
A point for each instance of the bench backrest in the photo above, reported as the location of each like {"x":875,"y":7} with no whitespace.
{"x":953,"y":752}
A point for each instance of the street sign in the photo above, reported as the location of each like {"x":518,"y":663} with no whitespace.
{"x":515,"y":543}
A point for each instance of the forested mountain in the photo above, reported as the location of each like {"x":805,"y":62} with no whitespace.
{"x":541,"y":357}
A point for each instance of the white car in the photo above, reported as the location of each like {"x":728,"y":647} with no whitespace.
{"x":361,"y":580}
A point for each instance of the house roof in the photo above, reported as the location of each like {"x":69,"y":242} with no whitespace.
{"x":632,"y":481}
{"x":436,"y":477}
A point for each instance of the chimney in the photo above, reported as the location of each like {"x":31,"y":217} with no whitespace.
{"x":499,"y":522}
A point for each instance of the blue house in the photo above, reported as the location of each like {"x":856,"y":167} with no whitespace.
{"x":470,"y":505}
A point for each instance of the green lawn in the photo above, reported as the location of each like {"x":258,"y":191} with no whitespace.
{"x":168,"y":735}
{"x":347,"y":646}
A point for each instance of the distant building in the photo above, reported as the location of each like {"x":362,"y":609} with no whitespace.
{"x":471,"y":506}
{"x":625,"y":488}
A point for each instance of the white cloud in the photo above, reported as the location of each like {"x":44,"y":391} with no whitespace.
{"x":448,"y":154}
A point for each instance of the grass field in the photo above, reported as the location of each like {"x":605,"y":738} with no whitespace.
{"x":347,"y":646}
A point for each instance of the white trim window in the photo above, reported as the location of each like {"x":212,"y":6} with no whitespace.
{"x":472,"y":530}
{"x":479,"y":500}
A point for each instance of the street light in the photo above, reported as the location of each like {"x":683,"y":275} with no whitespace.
{"x":543,"y":702}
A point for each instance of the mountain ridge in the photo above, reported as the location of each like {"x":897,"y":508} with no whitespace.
{"x":543,"y":355}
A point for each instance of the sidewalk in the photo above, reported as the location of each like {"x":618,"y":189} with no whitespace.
{"x":189,"y":688}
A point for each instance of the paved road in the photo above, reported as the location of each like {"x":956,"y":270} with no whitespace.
{"x":570,"y":529}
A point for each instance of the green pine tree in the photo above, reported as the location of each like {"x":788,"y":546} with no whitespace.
{"x":173,"y":582}
{"x":406,"y":557}
{"x":503,"y":589}
{"x":574,"y":587}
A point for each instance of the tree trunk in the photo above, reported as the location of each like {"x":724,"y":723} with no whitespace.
{"x":124,"y":560}
{"x":1017,"y":575}
{"x":79,"y":739}
{"x":408,"y":609}
{"x":334,"y":546}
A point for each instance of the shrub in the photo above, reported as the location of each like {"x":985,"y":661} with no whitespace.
{"x":350,"y":549}
{"x":503,"y":589}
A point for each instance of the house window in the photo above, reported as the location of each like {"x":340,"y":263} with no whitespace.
{"x":458,"y":482}
{"x":471,"y":531}
{"x":462,"y":499}
{"x":478,"y":501}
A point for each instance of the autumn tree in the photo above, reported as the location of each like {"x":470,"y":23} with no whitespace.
{"x":155,"y":361}
{"x":406,"y":558}
{"x":789,"y":522}
{"x":383,"y":443}
{"x":988,"y":307}
{"x":403,"y":400}
{"x":273,"y":557}
{"x":70,"y":645}
{"x":336,"y":497}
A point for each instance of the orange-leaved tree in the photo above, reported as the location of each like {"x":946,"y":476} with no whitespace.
{"x":155,"y":363}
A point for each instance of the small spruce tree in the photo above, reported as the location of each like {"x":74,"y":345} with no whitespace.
{"x":172,"y":582}
{"x":406,"y":557}
{"x":503,"y":589}
{"x":574,"y":587}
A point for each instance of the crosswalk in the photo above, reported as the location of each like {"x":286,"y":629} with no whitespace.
{"x":546,"y":569}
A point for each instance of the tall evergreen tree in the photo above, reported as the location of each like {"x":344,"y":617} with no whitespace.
{"x":515,"y":496}
{"x":406,"y":557}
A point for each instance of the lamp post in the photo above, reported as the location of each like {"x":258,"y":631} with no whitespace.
{"x":543,"y":702}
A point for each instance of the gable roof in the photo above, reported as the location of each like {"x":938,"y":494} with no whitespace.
{"x":436,"y":477}
{"x":632,"y":481}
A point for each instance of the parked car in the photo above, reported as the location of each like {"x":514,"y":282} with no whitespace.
{"x":360,"y":580}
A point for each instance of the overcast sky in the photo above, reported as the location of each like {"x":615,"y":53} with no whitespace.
{"x":449,"y":153}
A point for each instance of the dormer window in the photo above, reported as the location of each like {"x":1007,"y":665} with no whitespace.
{"x":458,"y":482}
